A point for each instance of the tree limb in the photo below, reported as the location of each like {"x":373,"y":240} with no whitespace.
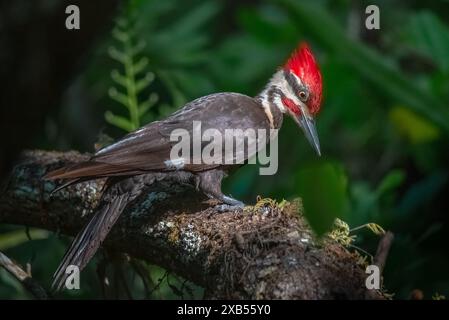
{"x":266,"y":252}
{"x":23,"y":277}
{"x":382,"y":250}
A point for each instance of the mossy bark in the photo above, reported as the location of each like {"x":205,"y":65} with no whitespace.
{"x":265,"y":252}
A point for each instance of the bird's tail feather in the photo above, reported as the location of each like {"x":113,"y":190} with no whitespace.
{"x":89,"y":239}
{"x":65,"y":185}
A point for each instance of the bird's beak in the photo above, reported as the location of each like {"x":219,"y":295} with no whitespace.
{"x":307,"y":124}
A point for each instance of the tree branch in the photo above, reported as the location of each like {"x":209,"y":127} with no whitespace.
{"x":383,"y":248}
{"x":23,"y":277}
{"x":266,"y":252}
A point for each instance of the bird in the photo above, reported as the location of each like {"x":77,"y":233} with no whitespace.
{"x":140,"y":157}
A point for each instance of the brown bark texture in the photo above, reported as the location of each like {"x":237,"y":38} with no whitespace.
{"x":266,"y":251}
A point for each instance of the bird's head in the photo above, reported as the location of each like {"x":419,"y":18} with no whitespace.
{"x":296,"y":89}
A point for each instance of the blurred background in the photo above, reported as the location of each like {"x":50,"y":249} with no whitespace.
{"x":384,"y":124}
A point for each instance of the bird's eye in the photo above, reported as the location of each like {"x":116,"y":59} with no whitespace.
{"x":303,"y":95}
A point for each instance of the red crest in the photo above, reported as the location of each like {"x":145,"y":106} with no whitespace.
{"x":303,"y":64}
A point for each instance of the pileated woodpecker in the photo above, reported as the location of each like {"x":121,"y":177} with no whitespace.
{"x":144,"y":155}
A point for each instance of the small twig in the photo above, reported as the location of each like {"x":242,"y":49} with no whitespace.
{"x":174,"y":288}
{"x":23,"y":277}
{"x":13,"y":268}
{"x":160,"y":280}
{"x":382,"y":250}
{"x":381,"y":257}
{"x":187,"y":288}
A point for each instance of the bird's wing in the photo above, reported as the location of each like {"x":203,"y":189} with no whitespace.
{"x":148,"y":149}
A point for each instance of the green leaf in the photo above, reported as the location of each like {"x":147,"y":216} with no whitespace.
{"x":431,"y":36}
{"x":120,"y":35}
{"x":422,"y":192}
{"x":414,"y":127}
{"x":140,"y":65}
{"x":196,"y":18}
{"x":119,"y":97}
{"x":118,"y":78}
{"x":323,"y":189}
{"x":119,"y":121}
{"x":177,"y":96}
{"x":137,"y":49}
{"x":390,"y":182}
{"x":117,"y":55}
{"x":16,"y":237}
{"x":144,"y":82}
{"x":147,"y":104}
{"x":133,"y":65}
{"x":269,"y":25}
{"x":370,"y":64}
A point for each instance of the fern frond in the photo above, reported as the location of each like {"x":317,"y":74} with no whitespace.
{"x":341,"y":233}
{"x":130,"y":80}
{"x":147,"y":104}
{"x":118,"y":121}
{"x":120,"y":35}
{"x":119,"y":78}
{"x":141,"y":65}
{"x":144,"y":82}
{"x":117,"y":55}
{"x":373,"y":227}
{"x":138,"y":48}
{"x":117,"y":96}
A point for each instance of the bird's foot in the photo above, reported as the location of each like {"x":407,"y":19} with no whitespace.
{"x":226,"y":207}
{"x":229,"y":204}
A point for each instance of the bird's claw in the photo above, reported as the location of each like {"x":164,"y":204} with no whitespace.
{"x":230,"y":204}
{"x":227,"y":207}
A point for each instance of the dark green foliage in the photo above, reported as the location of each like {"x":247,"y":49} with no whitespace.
{"x":384,"y":125}
{"x":323,"y":189}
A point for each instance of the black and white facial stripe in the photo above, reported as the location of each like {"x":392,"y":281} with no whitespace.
{"x":284,"y":84}
{"x":300,"y":89}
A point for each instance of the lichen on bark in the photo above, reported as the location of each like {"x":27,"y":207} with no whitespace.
{"x":266,"y":251}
